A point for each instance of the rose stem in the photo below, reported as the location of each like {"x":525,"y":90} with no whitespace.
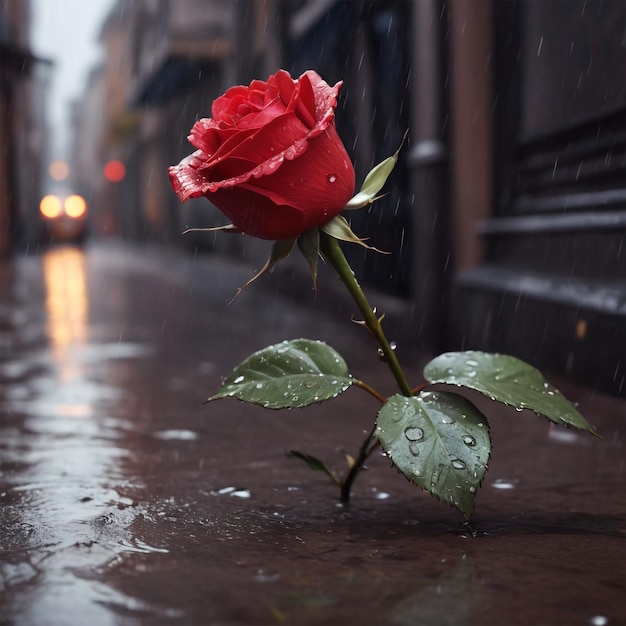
{"x":364,"y":451}
{"x":330,"y":248}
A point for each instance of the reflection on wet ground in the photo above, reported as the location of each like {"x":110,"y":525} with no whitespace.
{"x":123,"y":501}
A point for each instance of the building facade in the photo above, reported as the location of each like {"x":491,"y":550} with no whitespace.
{"x":23,"y":145}
{"x":505,"y":214}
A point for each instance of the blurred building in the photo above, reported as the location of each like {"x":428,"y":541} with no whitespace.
{"x":23,"y":86}
{"x":505,"y":215}
{"x":88,"y":155}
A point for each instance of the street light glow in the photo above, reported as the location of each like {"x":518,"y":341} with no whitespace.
{"x":114,"y":171}
{"x":59,"y":170}
{"x":75,"y":206}
{"x":50,"y":206}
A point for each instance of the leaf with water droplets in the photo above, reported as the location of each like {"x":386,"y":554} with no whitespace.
{"x":508,"y":380}
{"x":438,"y":440}
{"x":290,"y":374}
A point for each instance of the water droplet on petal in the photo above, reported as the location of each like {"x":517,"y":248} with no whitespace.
{"x":331,"y":178}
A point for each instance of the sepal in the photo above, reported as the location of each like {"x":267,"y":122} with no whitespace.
{"x":339,"y":228}
{"x":309,"y":245}
{"x":280,"y":250}
{"x":228,"y":228}
{"x":375,"y":181}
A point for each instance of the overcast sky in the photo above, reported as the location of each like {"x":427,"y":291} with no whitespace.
{"x":66,"y":32}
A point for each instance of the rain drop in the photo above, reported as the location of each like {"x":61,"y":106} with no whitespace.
{"x":472,"y":363}
{"x":468,"y":440}
{"x":239,"y":379}
{"x":414,"y":449}
{"x":413,"y":433}
{"x":332,"y":178}
{"x":458,"y":464}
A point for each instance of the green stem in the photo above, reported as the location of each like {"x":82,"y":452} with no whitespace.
{"x":364,"y":452}
{"x":330,"y":248}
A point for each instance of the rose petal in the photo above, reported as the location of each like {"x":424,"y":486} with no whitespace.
{"x":270,"y":158}
{"x":258,"y":216}
{"x":305,"y":107}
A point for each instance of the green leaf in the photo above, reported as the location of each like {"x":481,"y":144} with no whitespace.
{"x":438,"y":440}
{"x":508,"y":380}
{"x":315,"y":464}
{"x":375,"y":181}
{"x":290,"y":374}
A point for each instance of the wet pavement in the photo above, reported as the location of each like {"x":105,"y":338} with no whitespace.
{"x":123,"y":501}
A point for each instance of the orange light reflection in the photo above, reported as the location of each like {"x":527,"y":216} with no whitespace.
{"x":66,"y":306}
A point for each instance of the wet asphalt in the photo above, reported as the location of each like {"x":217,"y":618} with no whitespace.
{"x":124,"y":500}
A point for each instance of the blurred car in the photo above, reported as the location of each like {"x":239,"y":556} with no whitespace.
{"x":64,"y":218}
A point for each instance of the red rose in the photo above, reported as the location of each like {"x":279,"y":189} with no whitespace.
{"x":270,"y":158}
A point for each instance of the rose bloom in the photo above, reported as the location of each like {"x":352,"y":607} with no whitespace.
{"x":270,"y":157}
